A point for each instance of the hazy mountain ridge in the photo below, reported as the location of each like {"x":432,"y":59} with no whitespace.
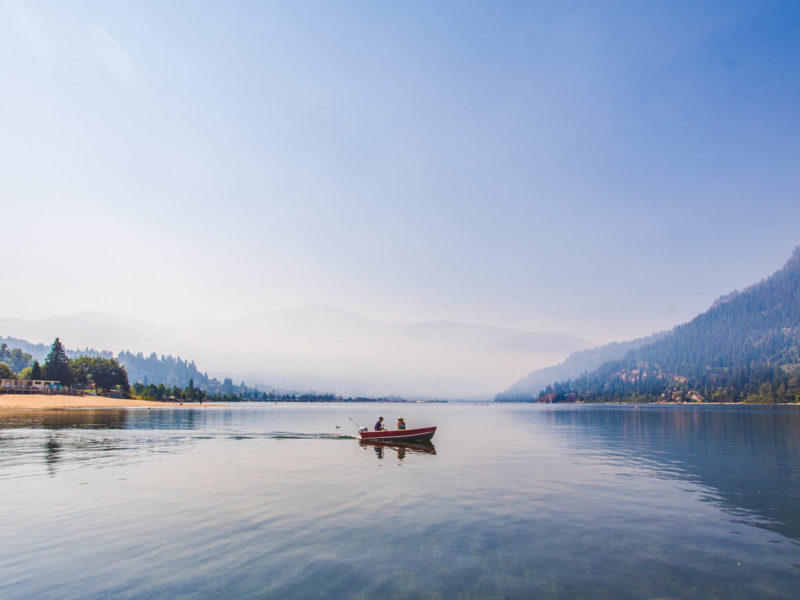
{"x":577,"y":363}
{"x":324,"y":348}
{"x":39,"y":351}
{"x":746,"y":347}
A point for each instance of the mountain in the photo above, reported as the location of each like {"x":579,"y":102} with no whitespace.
{"x":577,"y":363}
{"x":746,"y":347}
{"x":325,"y":349}
{"x":91,"y":329}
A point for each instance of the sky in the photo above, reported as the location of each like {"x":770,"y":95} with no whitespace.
{"x":601,"y":169}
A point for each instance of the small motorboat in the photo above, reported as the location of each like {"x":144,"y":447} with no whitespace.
{"x":423,"y":434}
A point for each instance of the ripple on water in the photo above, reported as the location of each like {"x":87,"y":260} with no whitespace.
{"x":513,"y":502}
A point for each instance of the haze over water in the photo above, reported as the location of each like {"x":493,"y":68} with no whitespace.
{"x":273,"y":501}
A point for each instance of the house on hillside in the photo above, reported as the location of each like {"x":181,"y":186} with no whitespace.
{"x":631,"y":376}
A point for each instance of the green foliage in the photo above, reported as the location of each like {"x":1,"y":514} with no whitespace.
{"x":188,"y":394}
{"x":101,"y":373}
{"x":242,"y":394}
{"x":6,"y":372}
{"x":746,"y":347}
{"x":15,"y":359}
{"x":89,"y":367}
{"x":56,"y":365}
{"x":38,"y":351}
{"x":171,"y":371}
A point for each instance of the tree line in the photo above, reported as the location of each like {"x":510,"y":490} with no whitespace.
{"x":753,"y":383}
{"x":90,"y":369}
{"x":146,"y":368}
{"x":83,"y":372}
{"x":745,"y":348}
{"x":190,"y":393}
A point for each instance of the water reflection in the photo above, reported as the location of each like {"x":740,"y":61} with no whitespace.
{"x":749,"y":455}
{"x":106,"y":418}
{"x":400,"y":449}
{"x":114,"y":418}
{"x":519,"y":502}
{"x":67,"y":438}
{"x":53,"y":454}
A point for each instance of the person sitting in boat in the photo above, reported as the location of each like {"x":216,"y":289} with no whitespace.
{"x":401,"y":424}
{"x":379,"y":425}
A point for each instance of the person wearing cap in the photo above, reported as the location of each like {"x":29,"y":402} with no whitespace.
{"x":401,"y":424}
{"x":379,"y":425}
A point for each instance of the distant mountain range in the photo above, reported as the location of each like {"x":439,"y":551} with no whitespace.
{"x":323,"y":349}
{"x":746,"y":347}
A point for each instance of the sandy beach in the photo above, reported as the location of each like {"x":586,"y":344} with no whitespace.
{"x":44,"y":401}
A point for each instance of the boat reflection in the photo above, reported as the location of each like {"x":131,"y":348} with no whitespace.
{"x":400,"y":448}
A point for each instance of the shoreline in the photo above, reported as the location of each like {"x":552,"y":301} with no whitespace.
{"x":48,"y":401}
{"x":651,"y":403}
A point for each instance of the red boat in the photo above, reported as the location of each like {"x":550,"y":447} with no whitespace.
{"x":424,"y":434}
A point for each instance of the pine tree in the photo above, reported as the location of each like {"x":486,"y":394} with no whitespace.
{"x":36,"y":370}
{"x":56,"y":365}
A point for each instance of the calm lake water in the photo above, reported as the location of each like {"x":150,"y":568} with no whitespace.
{"x":271,"y":501}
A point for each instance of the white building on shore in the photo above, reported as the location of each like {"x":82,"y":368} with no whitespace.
{"x":27,"y":386}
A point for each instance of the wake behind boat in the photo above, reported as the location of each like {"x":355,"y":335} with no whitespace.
{"x":423,"y":434}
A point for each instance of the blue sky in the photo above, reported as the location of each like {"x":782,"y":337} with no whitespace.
{"x":605,"y":169}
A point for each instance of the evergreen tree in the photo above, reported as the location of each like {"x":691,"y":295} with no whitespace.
{"x":56,"y":365}
{"x":36,"y":370}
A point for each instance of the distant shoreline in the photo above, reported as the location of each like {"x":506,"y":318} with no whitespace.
{"x":650,"y":403}
{"x":50,"y":401}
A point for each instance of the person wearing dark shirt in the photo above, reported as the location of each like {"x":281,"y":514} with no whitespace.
{"x":379,"y":425}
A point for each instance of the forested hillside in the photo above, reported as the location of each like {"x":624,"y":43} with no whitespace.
{"x":746,"y":347}
{"x":577,"y":363}
{"x":167,"y":370}
{"x":36,"y":351}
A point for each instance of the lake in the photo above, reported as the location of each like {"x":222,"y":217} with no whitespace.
{"x":511,"y":501}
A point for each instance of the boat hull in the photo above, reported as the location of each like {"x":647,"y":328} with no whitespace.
{"x":424,"y":434}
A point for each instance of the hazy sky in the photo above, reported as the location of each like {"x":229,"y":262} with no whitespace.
{"x":605,"y":169}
